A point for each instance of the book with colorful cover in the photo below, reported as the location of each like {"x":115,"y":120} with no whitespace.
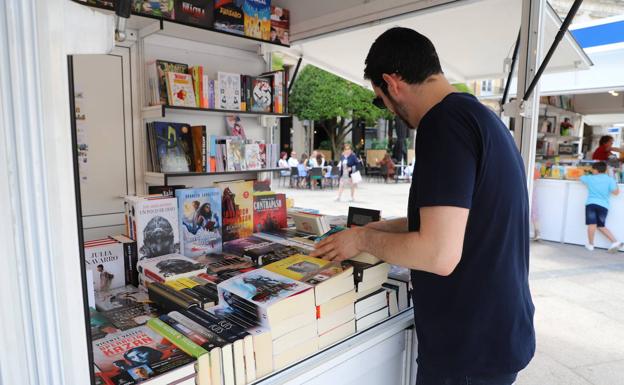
{"x":260,"y":251}
{"x":260,"y":290}
{"x":269,"y":212}
{"x":261,"y":94}
{"x":106,"y":260}
{"x":170,"y":267}
{"x":297,"y":266}
{"x":162,"y":8}
{"x":174,"y":145}
{"x":234,"y":149}
{"x":132,"y":356}
{"x":280,"y":25}
{"x":200,"y":223}
{"x":228,"y":92}
{"x":252,"y":156}
{"x":197,"y":73}
{"x":196,"y":12}
{"x":228,"y":16}
{"x":162,"y":67}
{"x":257,"y":19}
{"x":235,"y":127}
{"x":240,"y":246}
{"x":154,"y":225}
{"x":222,"y":263}
{"x":237,"y":209}
{"x":126,"y":307}
{"x":180,"y":90}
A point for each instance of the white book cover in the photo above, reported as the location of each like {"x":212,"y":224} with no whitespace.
{"x":155,"y":224}
{"x":253,"y":160}
{"x":228,"y":92}
{"x":106,"y":262}
{"x":170,"y":267}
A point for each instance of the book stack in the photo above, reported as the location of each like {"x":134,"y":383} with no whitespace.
{"x":282,"y":305}
{"x":399,"y":285}
{"x":334,"y":294}
{"x":310,"y":223}
{"x":168,"y":267}
{"x":261,"y":251}
{"x":369,"y":279}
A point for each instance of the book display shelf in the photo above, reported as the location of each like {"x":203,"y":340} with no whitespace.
{"x":388,"y":341}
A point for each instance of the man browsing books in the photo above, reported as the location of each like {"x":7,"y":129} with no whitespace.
{"x":466,"y":234}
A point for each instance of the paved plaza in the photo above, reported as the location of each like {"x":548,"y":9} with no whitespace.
{"x":578,"y":295}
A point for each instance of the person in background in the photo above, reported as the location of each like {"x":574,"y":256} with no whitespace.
{"x":320,"y":160}
{"x":312,"y":160}
{"x":599,"y":187}
{"x":292,"y":161}
{"x":605,"y":147}
{"x":303,"y":169}
{"x":389,"y":165}
{"x":283,"y":163}
{"x":348,"y":164}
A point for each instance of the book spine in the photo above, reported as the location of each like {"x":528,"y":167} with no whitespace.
{"x":211,"y":326}
{"x":169,"y":298}
{"x":243,"y":104}
{"x":204,"y":151}
{"x":187,"y":332}
{"x":178,"y":339}
{"x":233,"y":329}
{"x":177,"y":286}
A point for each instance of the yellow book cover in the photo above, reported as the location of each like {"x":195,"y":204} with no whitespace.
{"x":237,"y":209}
{"x":297,"y":266}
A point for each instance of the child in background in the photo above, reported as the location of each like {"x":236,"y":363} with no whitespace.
{"x":599,"y":187}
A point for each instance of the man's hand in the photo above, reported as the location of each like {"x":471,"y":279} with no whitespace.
{"x":340,"y":246}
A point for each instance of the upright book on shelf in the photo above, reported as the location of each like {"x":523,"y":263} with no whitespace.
{"x":257,"y":18}
{"x":237,"y":209}
{"x":229,"y":91}
{"x":162,"y":67}
{"x":162,"y":8}
{"x":228,"y":16}
{"x":195,"y":12}
{"x":173,"y":143}
{"x":180,"y":91}
{"x":261,"y":94}
{"x":199,"y":211}
{"x":154,"y":225}
{"x":280,"y":25}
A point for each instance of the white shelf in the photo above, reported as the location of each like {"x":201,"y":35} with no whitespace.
{"x":159,"y":112}
{"x":162,"y":178}
{"x":558,"y":110}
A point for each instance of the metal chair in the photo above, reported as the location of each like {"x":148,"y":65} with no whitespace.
{"x":334,"y":175}
{"x":283,"y":176}
{"x":315,"y":175}
{"x":294,"y":174}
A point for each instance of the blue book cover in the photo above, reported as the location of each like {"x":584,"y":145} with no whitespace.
{"x":199,"y":212}
{"x":175,"y":146}
{"x":257,"y":19}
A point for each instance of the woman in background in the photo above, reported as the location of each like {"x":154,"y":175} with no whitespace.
{"x":283,"y":163}
{"x":303,"y":169}
{"x":603,"y":152}
{"x":348,"y":164}
{"x":389,"y":165}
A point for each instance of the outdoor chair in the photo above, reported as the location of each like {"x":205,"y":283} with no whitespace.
{"x":334,"y":175}
{"x":294,"y":177}
{"x":316,"y":177}
{"x":372,"y":172}
{"x":283,"y":176}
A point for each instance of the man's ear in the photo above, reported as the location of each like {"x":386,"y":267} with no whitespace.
{"x":393,"y":84}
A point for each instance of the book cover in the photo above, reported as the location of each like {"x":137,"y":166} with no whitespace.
{"x":297,"y":266}
{"x":195,"y":12}
{"x":198,"y":135}
{"x":197,"y":72}
{"x":170,"y":267}
{"x":241,"y":246}
{"x":235,"y":126}
{"x":156,"y":226}
{"x":261,"y":288}
{"x":257,"y":17}
{"x":199,"y":212}
{"x":162,"y":8}
{"x":180,"y":90}
{"x":280,"y":25}
{"x":100,"y":325}
{"x":174,"y":143}
{"x":162,"y":67}
{"x":135,"y":355}
{"x":220,"y":263}
{"x":106,"y":261}
{"x":252,"y":156}
{"x":228,"y":16}
{"x":228,"y":91}
{"x":269,"y":212}
{"x":235,"y":159}
{"x":261,"y":94}
{"x":237,"y":209}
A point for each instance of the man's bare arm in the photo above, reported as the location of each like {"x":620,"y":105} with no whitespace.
{"x":436,"y":248}
{"x":398,"y":225}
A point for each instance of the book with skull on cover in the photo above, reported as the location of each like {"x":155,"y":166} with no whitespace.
{"x":154,"y":222}
{"x":170,"y":267}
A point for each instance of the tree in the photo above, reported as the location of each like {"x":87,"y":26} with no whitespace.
{"x":333,"y":103}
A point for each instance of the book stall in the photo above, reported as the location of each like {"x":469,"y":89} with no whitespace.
{"x":202,"y":275}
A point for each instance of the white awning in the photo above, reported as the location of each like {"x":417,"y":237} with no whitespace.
{"x":473,"y":39}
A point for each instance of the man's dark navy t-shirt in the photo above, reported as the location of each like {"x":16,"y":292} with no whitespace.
{"x":479,"y":319}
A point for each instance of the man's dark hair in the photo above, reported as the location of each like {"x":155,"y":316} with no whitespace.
{"x":404,"y":52}
{"x":102,"y":266}
{"x":601,"y":167}
{"x":605,"y":139}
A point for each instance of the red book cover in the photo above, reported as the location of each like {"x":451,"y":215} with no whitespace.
{"x":269,"y":212}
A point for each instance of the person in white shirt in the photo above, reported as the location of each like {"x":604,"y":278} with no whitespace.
{"x":283,"y":163}
{"x":312,"y":161}
{"x":292,"y":161}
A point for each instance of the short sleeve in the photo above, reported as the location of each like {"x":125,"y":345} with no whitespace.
{"x":612,"y":185}
{"x":448,"y":151}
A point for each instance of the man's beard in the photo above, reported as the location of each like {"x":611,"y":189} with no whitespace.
{"x":399,"y":110}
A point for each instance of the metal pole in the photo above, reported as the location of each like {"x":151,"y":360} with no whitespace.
{"x":512,"y":67}
{"x":529,"y":55}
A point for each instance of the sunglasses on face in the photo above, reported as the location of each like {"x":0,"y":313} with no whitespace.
{"x":379,"y":103}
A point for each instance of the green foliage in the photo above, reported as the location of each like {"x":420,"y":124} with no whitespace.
{"x":333,"y":103}
{"x":463,"y":87}
{"x":377,"y":144}
{"x":325,"y":145}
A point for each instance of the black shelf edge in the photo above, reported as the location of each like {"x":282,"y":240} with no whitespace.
{"x":163,"y":20}
{"x":215,"y":110}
